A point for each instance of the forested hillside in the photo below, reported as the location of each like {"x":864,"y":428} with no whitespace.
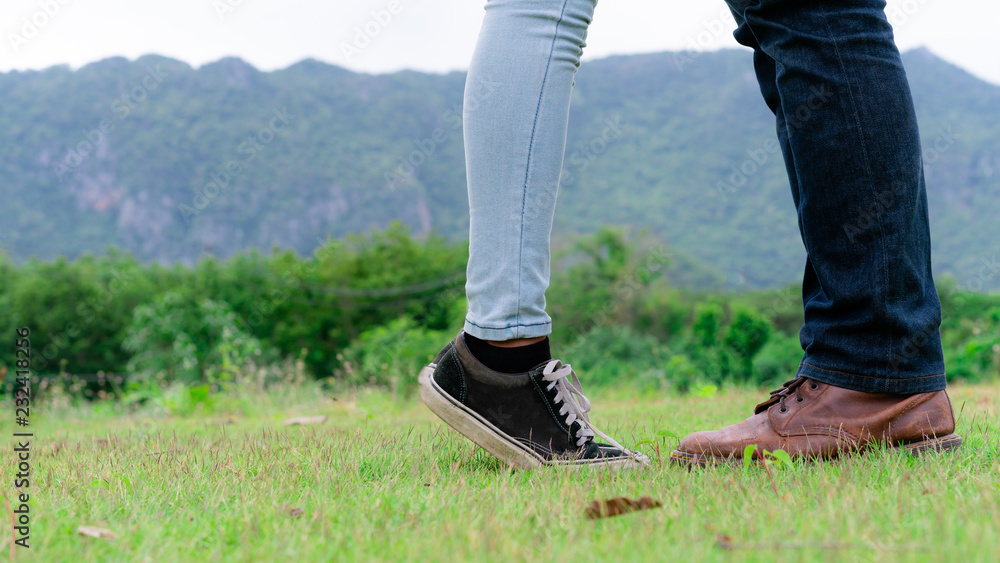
{"x":168,"y":162}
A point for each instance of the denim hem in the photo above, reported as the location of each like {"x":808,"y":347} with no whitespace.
{"x":510,"y":332}
{"x":872,"y":384}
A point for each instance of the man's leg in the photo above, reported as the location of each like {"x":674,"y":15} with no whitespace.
{"x":515,"y":401}
{"x":873,"y":369}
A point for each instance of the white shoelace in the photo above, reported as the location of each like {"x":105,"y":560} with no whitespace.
{"x":575,"y":405}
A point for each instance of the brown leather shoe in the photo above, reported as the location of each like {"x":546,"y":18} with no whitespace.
{"x":813,"y":420}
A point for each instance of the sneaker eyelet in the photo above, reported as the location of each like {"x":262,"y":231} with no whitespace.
{"x":799,"y":399}
{"x":813,"y":385}
{"x":782,"y":409}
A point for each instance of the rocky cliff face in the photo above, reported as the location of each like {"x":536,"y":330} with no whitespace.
{"x":167,"y":161}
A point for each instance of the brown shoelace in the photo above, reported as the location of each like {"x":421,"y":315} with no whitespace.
{"x":778,"y":396}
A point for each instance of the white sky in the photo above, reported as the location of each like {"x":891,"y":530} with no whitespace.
{"x":428,"y":35}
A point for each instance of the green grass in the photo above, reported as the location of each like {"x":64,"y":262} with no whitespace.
{"x":382,"y":479}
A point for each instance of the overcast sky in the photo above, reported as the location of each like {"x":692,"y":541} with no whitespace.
{"x":429,"y":35}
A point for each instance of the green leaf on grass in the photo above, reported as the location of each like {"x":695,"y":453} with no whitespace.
{"x":785,"y":460}
{"x":748,"y":454}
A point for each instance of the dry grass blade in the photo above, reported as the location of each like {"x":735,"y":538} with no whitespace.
{"x":93,"y":532}
{"x":305,"y":420}
{"x":723,"y":541}
{"x":619,"y":505}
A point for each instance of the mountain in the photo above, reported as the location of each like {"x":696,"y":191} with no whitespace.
{"x":168,"y":161}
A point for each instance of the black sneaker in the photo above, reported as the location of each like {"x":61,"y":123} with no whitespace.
{"x":526,"y":419}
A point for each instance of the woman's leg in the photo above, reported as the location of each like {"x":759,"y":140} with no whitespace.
{"x":516,"y":112}
{"x":516,"y":402}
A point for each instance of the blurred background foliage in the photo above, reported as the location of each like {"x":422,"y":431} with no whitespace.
{"x":371,"y":310}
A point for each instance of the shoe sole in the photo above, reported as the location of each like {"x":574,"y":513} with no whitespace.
{"x":487,"y":436}
{"x":943,"y":444}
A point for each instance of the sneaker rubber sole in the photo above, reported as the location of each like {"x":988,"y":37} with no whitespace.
{"x":487,"y":436}
{"x":944,"y":444}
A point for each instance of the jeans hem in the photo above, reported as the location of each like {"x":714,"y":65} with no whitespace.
{"x":509,"y":332}
{"x":873,"y":384}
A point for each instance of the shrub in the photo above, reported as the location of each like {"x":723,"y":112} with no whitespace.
{"x":612,"y":355}
{"x":975,"y":354}
{"x":707,"y":324}
{"x":746,"y":334}
{"x":190,"y":342}
{"x":778,"y":359}
{"x":391,"y":355}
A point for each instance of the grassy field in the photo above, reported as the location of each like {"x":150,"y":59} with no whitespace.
{"x":381,"y":479}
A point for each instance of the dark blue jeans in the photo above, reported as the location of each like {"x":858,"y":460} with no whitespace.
{"x":831,"y":73}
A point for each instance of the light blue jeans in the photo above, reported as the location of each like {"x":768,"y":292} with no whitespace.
{"x":516,"y":111}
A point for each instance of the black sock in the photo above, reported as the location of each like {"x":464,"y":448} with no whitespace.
{"x":518,"y":359}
